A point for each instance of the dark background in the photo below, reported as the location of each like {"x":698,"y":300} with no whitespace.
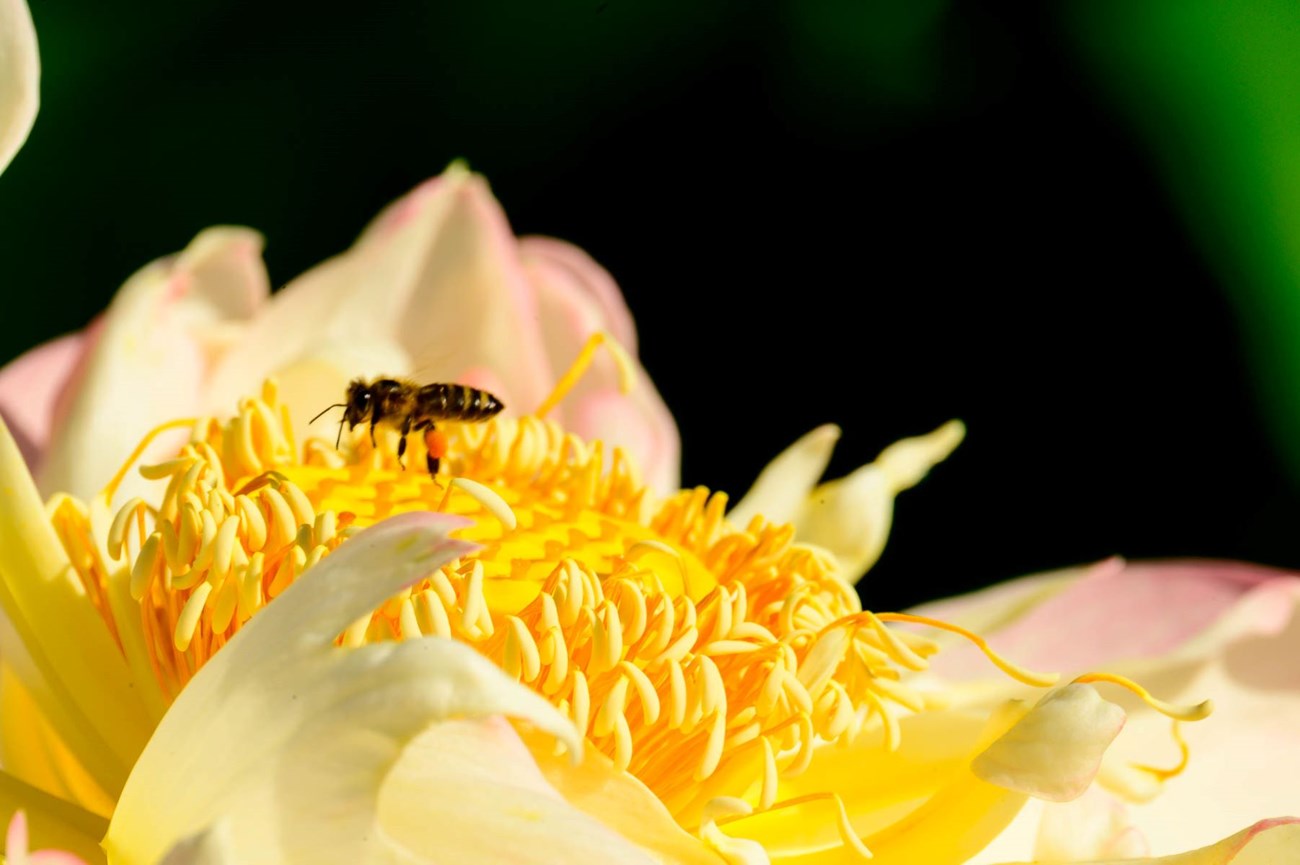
{"x":882,"y":215}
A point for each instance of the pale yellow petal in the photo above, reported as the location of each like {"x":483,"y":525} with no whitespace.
{"x":52,"y":822}
{"x":779,"y":492}
{"x":470,"y":791}
{"x":150,"y":359}
{"x":211,"y":846}
{"x":1268,"y":842}
{"x":1054,"y":753}
{"x":622,"y":803}
{"x":283,"y":727}
{"x":920,"y":804}
{"x":20,"y":72}
{"x":1094,"y":826}
{"x":63,"y":653}
{"x":31,"y":749}
{"x":851,"y":517}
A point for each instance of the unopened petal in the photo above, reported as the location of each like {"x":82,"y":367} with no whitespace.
{"x":283,"y":726}
{"x":436,"y":276}
{"x":155,"y":345}
{"x":572,"y":270}
{"x":576,"y":298}
{"x":20,"y":73}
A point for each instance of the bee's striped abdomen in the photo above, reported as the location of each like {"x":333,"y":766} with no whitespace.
{"x":456,"y":402}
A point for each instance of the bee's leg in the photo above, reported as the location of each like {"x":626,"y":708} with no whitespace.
{"x":374,"y":419}
{"x":401,"y":445}
{"x":436,"y":445}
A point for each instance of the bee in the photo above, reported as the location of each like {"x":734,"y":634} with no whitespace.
{"x":409,"y":407}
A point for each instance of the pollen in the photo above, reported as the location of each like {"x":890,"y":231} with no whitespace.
{"x":705,"y":658}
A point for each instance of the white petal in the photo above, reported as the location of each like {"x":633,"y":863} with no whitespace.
{"x":20,"y":73}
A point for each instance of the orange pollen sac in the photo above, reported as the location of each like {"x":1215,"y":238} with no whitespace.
{"x":706,"y":659}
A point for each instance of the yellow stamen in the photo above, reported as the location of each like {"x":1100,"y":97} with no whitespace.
{"x":140,"y":449}
{"x":1179,"y":713}
{"x":709,"y":660}
{"x":626,"y":370}
{"x":1174,"y":771}
{"x":1020,"y":674}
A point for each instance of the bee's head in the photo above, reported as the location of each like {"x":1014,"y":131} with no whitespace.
{"x":359,"y":402}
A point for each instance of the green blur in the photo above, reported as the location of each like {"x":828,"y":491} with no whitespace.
{"x":1214,"y":88}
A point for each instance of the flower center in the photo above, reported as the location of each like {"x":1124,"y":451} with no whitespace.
{"x":706,"y":659}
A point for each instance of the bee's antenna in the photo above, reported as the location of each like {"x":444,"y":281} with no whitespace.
{"x":339,"y":438}
{"x":336,"y":405}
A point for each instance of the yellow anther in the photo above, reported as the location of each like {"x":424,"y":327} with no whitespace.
{"x":303,"y":512}
{"x":189,"y":617}
{"x":145,"y":566}
{"x":223,"y":549}
{"x":645,"y":691}
{"x":117,"y":531}
{"x":767,"y":793}
{"x":489,"y":499}
{"x":282,"y":526}
{"x":432,"y":614}
{"x":355,"y":635}
{"x":713,"y":747}
{"x":611,"y":707}
{"x":223,"y":606}
{"x":580,"y":703}
{"x":408,"y":622}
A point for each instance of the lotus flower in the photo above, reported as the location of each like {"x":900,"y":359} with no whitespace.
{"x":286,"y":651}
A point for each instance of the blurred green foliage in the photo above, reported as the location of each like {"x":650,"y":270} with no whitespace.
{"x":1214,"y":88}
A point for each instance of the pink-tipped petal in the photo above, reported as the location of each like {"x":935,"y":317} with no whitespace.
{"x":435,"y":279}
{"x":572,"y":308}
{"x":637,"y":422}
{"x":561,"y":265}
{"x":29,"y":388}
{"x":1124,"y":612}
{"x":1188,"y":631}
